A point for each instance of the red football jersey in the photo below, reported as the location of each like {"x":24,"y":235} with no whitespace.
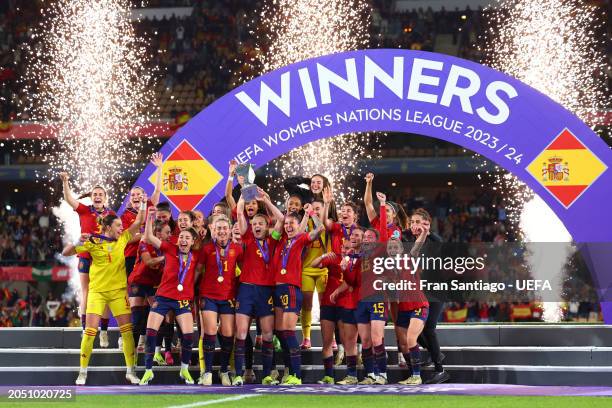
{"x":339,"y":234}
{"x":352,"y":276}
{"x":170,"y":278}
{"x":254,"y":269}
{"x":127,"y":218}
{"x":142,"y":274}
{"x":90,"y":221}
{"x":334,"y":277}
{"x":391,"y":228}
{"x":293,"y":268}
{"x":210,"y":286}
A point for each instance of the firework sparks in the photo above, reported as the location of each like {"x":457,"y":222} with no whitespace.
{"x":550,"y":45}
{"x":86,"y":77}
{"x":296,"y":30}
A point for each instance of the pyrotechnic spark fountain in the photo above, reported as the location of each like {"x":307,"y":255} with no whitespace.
{"x":70,"y":224}
{"x":86,"y":78}
{"x":550,"y":45}
{"x":296,"y":30}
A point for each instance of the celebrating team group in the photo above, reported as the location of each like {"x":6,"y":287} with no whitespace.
{"x":247,"y":262}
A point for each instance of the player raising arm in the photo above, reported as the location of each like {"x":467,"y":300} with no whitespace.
{"x":175,"y":294}
{"x":256,"y":287}
{"x":143,"y":282}
{"x":90,"y":217}
{"x":287,"y":293}
{"x":107,"y":287}
{"x":396,"y":216}
{"x":129,"y":215}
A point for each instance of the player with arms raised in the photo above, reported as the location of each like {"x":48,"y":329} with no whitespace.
{"x":90,"y":219}
{"x":255,"y":293}
{"x":287,"y":293}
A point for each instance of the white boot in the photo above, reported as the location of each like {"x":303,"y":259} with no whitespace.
{"x":131,"y":376}
{"x":82,"y":378}
{"x":103,"y":339}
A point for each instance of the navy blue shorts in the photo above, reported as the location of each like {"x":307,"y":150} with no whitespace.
{"x":288,"y":298}
{"x":370,"y":311}
{"x":163,"y":305}
{"x":347,"y":316}
{"x":404,"y":316}
{"x":84,"y":265}
{"x":331,"y":313}
{"x":217,"y":306}
{"x":255,"y":300}
{"x":143,"y":291}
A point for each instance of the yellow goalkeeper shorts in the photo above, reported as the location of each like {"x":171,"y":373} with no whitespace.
{"x":310,"y":282}
{"x":117,"y":301}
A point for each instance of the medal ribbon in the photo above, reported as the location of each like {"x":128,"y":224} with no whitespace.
{"x":287,"y":252}
{"x":183,"y":267}
{"x":102,"y":214}
{"x":219,"y":263}
{"x":264,"y":250}
{"x":344,"y":232}
{"x":102,"y":237}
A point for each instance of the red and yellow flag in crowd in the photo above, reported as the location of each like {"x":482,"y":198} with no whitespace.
{"x":456,"y":315}
{"x":566,"y":168}
{"x":187,"y":177}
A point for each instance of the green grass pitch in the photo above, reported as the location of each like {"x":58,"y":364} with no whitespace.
{"x":314,"y":401}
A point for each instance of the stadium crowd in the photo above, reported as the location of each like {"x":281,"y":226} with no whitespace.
{"x":28,"y":234}
{"x":199,"y":56}
{"x":30,"y":309}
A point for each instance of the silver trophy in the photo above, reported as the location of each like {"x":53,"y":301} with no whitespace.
{"x":248,"y":190}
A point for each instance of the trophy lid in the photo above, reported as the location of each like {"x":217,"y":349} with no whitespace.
{"x":246,"y":170}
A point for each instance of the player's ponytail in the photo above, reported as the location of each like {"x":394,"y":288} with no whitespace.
{"x":402,"y":218}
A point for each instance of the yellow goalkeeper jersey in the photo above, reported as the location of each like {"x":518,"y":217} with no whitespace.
{"x":316,"y":248}
{"x":107,"y":271}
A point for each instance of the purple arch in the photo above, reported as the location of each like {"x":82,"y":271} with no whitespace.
{"x":309,"y":100}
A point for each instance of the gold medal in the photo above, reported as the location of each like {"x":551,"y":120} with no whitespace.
{"x":220,"y":279}
{"x":283,"y":271}
{"x":179,"y":287}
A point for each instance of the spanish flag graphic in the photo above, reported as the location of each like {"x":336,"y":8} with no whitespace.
{"x":566,"y":168}
{"x":187,"y":177}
